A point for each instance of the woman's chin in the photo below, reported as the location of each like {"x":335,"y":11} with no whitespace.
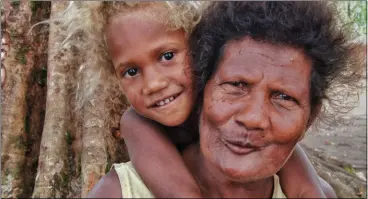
{"x":241,"y":173}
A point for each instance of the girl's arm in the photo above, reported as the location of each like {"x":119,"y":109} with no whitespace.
{"x":299,"y":179}
{"x":156,"y":159}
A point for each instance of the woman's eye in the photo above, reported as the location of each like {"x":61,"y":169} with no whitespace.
{"x":131,"y":72}
{"x":235,"y":87}
{"x":283,"y":96}
{"x":166,"y":56}
{"x":238,"y":84}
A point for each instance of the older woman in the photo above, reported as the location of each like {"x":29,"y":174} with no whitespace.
{"x":264,"y":69}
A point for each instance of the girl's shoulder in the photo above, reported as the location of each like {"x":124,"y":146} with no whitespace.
{"x":131,"y":121}
{"x":181,"y":136}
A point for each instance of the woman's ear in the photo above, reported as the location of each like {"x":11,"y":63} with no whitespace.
{"x":315,"y":111}
{"x":312,"y":118}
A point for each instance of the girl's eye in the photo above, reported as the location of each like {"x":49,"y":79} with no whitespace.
{"x":166,"y":56}
{"x":131,"y":72}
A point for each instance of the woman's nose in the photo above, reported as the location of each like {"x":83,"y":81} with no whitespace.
{"x":154,"y":82}
{"x":254,"y":114}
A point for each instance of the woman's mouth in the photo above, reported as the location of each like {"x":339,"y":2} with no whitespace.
{"x":240,"y":148}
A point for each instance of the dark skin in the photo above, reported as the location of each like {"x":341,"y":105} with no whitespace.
{"x":149,"y":142}
{"x":154,"y":142}
{"x":150,"y":66}
{"x":252,"y":118}
{"x":109,"y":185}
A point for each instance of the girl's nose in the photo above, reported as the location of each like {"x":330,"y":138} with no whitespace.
{"x":154,"y":82}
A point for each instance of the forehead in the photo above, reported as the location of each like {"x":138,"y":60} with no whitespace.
{"x":248,"y":57}
{"x":134,"y":35}
{"x":124,"y":29}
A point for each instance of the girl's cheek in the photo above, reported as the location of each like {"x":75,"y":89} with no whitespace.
{"x":131,"y":95}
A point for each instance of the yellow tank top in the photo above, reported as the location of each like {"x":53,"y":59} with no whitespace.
{"x":132,"y":185}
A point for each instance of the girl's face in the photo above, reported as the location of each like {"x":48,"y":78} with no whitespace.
{"x":151,"y":64}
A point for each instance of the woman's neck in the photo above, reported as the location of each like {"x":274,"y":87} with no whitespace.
{"x":213,"y":183}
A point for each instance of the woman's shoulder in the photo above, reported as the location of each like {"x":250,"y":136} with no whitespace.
{"x":107,"y":187}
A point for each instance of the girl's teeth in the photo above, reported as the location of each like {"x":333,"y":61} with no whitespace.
{"x":165,"y":101}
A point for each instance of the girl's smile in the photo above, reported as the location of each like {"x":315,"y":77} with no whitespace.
{"x":151,"y":66}
{"x":165,"y":101}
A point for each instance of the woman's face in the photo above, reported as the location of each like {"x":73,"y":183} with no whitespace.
{"x":256,"y":108}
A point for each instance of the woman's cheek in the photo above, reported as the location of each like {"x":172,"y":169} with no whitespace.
{"x":206,"y":134}
{"x":288,"y":129}
{"x":217,"y":107}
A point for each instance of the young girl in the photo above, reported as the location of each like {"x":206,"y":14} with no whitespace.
{"x":147,"y":44}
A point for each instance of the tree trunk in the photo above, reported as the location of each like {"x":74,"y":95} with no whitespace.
{"x":101,"y":116}
{"x":22,"y":96}
{"x":77,"y":145}
{"x":53,"y":172}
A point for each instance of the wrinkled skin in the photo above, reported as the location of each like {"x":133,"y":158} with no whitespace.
{"x":256,"y":108}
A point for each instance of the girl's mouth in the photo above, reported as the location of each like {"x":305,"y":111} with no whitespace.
{"x":165,"y":101}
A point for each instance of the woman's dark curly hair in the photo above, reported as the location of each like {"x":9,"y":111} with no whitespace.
{"x":308,"y":25}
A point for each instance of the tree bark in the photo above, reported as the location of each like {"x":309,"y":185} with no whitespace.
{"x":77,"y":146}
{"x":17,"y":133}
{"x":52,"y":178}
{"x":101,"y":117}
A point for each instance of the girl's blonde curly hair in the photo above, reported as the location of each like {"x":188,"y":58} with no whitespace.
{"x":83,"y":24}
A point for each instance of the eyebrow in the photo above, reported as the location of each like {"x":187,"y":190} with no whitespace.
{"x":124,"y":65}
{"x":160,"y":48}
{"x":283,"y":84}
